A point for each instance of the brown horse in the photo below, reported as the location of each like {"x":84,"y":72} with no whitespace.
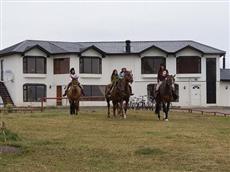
{"x":74,"y":94}
{"x":120,"y":93}
{"x":165,"y":96}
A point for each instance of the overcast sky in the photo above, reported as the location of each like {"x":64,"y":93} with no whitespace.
{"x":205,"y":22}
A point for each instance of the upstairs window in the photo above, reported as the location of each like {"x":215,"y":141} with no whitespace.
{"x":191,"y":64}
{"x":34,"y":64}
{"x":61,"y":66}
{"x":91,"y":65}
{"x":150,"y":65}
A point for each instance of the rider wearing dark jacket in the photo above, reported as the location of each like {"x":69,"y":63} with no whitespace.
{"x":161,"y":76}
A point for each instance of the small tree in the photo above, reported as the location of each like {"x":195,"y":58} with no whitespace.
{"x":3,"y":130}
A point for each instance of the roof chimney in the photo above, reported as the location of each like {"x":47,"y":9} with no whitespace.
{"x":224,"y":62}
{"x":127,"y":46}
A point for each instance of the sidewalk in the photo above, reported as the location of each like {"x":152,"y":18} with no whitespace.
{"x":211,"y":109}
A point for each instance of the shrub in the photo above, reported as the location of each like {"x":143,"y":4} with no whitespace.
{"x":8,"y":136}
{"x":9,"y":108}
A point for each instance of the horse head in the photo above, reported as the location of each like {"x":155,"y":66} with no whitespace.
{"x":129,"y":76}
{"x":170,"y":80}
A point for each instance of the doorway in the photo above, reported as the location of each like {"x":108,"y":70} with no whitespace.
{"x":59,"y":94}
{"x":195,"y":95}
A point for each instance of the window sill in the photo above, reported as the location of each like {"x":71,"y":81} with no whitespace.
{"x":34,"y":75}
{"x":189,"y":75}
{"x":90,"y":75}
{"x":149,"y":75}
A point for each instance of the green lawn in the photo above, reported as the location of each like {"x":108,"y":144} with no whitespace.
{"x":54,"y":141}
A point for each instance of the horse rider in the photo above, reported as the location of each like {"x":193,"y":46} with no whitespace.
{"x":161,"y":76}
{"x":121,"y":76}
{"x":114,"y":79}
{"x":73,"y":76}
{"x":122,"y":73}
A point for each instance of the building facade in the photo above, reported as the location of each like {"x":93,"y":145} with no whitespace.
{"x":33,"y":69}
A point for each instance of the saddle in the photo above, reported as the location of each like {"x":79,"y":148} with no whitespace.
{"x":74,"y":82}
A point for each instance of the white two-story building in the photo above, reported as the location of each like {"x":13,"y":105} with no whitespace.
{"x":33,"y":69}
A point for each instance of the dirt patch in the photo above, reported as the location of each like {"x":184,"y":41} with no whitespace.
{"x":9,"y":149}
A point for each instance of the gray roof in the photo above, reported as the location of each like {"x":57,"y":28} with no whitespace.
{"x":225,"y":74}
{"x":115,"y":47}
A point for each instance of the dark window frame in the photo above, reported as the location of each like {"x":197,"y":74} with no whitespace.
{"x":26,"y":92}
{"x":180,"y":67}
{"x":61,"y":71}
{"x":89,"y":91}
{"x":81,"y":64}
{"x":154,"y":68}
{"x":26,"y":66}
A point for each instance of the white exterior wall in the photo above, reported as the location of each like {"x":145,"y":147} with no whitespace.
{"x":131,"y":62}
{"x":11,"y":63}
{"x":224,"y":94}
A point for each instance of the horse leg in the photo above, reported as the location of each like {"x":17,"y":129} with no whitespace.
{"x":157,"y":110}
{"x":114,"y":108}
{"x":167,"y":111}
{"x":121,"y":109}
{"x":164,"y":109}
{"x":126,"y":105}
{"x":73,"y":107}
{"x":76,"y":107}
{"x":70,"y":107}
{"x":108,"y":106}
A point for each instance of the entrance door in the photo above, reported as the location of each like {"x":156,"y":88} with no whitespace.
{"x":1,"y":70}
{"x":211,"y":80}
{"x":195,"y":95}
{"x":59,"y":94}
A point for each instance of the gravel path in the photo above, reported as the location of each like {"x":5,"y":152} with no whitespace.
{"x":9,"y":149}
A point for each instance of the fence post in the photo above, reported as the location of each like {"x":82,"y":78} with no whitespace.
{"x":42,"y":104}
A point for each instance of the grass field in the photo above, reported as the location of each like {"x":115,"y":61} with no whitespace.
{"x":54,"y":141}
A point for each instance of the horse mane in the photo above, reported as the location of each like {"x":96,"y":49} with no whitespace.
{"x":120,"y":84}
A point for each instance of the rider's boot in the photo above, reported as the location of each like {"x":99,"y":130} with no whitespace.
{"x":131,"y":91}
{"x":156,"y":93}
{"x":65,"y":93}
{"x":82,"y":92}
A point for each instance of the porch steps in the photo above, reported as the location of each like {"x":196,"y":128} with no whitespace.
{"x":5,"y":94}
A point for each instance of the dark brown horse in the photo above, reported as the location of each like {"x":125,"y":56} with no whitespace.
{"x":120,"y":94}
{"x":74,"y":94}
{"x":165,"y":96}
